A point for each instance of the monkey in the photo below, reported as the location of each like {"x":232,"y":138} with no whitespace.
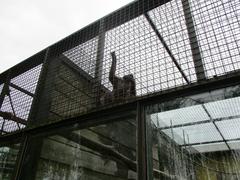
{"x":123,"y":87}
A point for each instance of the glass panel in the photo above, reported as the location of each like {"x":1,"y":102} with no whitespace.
{"x":230,"y":128}
{"x":8,"y":157}
{"x":195,"y":137}
{"x":203,"y":148}
{"x":106,"y":151}
{"x":195,"y":133}
{"x":224,"y":108}
{"x":234,"y":144}
{"x":180,"y":116}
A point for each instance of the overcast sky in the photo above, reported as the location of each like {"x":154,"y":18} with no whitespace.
{"x":28,"y":26}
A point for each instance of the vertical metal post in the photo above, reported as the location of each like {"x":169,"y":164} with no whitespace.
{"x":43,"y":97}
{"x":20,"y":158}
{"x":160,"y":164}
{"x":141,"y":144}
{"x":31,"y":149}
{"x":29,"y":158}
{"x":197,"y":58}
{"x":5,"y":88}
{"x":39,"y":88}
{"x":5,"y":91}
{"x":173,"y":147}
{"x":99,"y":60}
{"x":2,"y":95}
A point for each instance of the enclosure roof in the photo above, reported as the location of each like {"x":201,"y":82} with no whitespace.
{"x":155,"y":42}
{"x":212,"y":126}
{"x":131,"y":11}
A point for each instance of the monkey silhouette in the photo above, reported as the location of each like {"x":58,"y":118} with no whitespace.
{"x":123,"y":87}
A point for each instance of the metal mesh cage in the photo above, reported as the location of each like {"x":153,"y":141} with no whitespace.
{"x":157,"y":45}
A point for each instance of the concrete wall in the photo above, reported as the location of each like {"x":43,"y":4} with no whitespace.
{"x":64,"y":158}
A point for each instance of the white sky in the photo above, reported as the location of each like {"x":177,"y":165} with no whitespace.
{"x":28,"y":26}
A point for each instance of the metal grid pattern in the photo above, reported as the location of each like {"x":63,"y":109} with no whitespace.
{"x":84,"y":56}
{"x":199,"y":122}
{"x":162,"y":44}
{"x":140,"y":52}
{"x":218,"y":31}
{"x":202,"y":130}
{"x":17,"y":101}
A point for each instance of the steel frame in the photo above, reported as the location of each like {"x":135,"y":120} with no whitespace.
{"x":166,"y":47}
{"x":132,"y":11}
{"x":108,"y":114}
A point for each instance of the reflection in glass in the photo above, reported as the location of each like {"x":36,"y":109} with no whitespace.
{"x":195,"y":137}
{"x":8,"y":157}
{"x":103,"y":152}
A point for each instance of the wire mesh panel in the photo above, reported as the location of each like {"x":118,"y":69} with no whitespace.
{"x":140,"y":51}
{"x":195,"y":137}
{"x":17,"y":100}
{"x":29,"y":79}
{"x":136,"y":52}
{"x":218,"y":31}
{"x":71,"y":92}
{"x":144,"y":48}
{"x":84,"y":56}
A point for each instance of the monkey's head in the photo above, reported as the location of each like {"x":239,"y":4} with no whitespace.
{"x":128,"y":77}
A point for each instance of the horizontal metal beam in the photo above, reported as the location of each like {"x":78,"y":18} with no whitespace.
{"x":191,"y":89}
{"x":102,"y":115}
{"x":112,"y":20}
{"x":121,"y":112}
{"x":24,"y":66}
{"x":210,"y":142}
{"x":200,"y":122}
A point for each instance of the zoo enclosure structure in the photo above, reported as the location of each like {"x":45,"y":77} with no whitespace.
{"x":58,"y":121}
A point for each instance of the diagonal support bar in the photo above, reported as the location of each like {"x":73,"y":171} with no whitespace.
{"x":196,"y":53}
{"x":200,"y":122}
{"x":216,"y":126}
{"x":166,"y":47}
{"x":21,"y":89}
